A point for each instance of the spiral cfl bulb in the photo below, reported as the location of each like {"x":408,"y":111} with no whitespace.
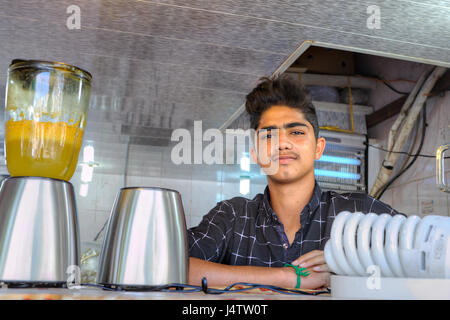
{"x":409,"y":247}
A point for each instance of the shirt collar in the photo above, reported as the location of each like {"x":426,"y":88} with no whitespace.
{"x":310,"y":207}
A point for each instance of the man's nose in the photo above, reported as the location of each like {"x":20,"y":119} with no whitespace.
{"x":284,"y":142}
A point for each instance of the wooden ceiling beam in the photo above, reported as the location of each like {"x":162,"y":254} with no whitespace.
{"x":385,"y":112}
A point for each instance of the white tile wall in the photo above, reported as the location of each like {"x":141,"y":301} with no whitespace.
{"x":204,"y":198}
{"x":134,"y":181}
{"x":89,"y":201}
{"x":430,"y":199}
{"x":405,"y":198}
{"x":108,"y":185}
{"x":257,"y":188}
{"x":86,"y":221}
{"x":184,"y":187}
{"x":101,"y":217}
{"x":230,"y":190}
{"x":388,"y":196}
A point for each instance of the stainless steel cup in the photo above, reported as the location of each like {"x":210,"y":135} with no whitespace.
{"x":145,"y":242}
{"x":38,"y":230}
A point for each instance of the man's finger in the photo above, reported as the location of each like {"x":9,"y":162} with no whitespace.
{"x":307,"y":256}
{"x":316,"y":260}
{"x":321,"y":268}
{"x":326,"y":278}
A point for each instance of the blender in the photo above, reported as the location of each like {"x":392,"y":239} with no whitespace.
{"x":45,"y":118}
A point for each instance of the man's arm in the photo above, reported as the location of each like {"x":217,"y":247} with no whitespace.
{"x":223,"y":275}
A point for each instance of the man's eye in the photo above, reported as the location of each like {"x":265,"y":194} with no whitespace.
{"x":266,"y":135}
{"x":298,"y":132}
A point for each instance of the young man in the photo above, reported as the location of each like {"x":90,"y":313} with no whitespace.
{"x":243,"y":240}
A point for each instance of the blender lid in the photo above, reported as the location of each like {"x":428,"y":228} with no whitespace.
{"x":18,"y":63}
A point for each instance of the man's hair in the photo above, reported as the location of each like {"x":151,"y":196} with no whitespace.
{"x":281,"y":91}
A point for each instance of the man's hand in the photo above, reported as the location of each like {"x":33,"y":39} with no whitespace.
{"x":314,"y":260}
{"x":316,"y":280}
{"x":320,"y":272}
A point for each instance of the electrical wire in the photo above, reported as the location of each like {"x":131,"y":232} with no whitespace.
{"x":175,"y":287}
{"x":185,"y":288}
{"x":412,"y":146}
{"x":251,"y":286}
{"x":386,"y":83}
{"x":424,"y":128}
{"x":408,"y":154}
{"x":392,"y":88}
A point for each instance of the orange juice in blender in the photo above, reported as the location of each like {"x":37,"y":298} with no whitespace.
{"x":45,"y":118}
{"x":42,"y":148}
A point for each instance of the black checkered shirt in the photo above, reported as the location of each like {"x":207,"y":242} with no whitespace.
{"x":241,"y":231}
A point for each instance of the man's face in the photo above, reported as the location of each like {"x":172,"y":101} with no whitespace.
{"x":290,"y":144}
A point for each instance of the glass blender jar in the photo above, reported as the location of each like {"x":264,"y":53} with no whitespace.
{"x":46,"y":109}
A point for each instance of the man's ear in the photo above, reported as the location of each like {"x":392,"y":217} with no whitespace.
{"x":320,"y":147}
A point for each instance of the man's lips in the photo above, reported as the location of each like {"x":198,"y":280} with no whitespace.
{"x":284,"y":159}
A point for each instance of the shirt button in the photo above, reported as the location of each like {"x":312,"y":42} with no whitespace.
{"x":285,"y":245}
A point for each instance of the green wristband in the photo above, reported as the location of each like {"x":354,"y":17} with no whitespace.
{"x":300,"y":272}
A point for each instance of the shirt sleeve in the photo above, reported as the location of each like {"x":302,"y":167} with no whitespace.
{"x":208,"y":241}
